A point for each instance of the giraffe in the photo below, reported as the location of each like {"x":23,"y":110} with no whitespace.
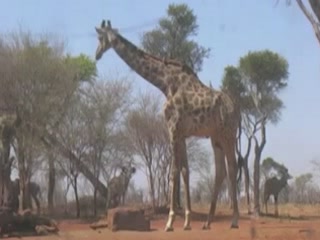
{"x":191,"y":109}
{"x":273,"y":186}
{"x":118,"y":186}
{"x":34,"y":190}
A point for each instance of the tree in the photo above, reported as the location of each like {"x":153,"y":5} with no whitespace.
{"x":40,"y":80}
{"x":232,"y":83}
{"x":260,"y":78}
{"x":172,"y":39}
{"x":90,"y":129}
{"x":148,"y":136}
{"x":301,"y":185}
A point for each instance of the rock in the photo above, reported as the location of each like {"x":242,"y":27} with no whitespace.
{"x":127,"y":219}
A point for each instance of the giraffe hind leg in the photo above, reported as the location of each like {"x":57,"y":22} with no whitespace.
{"x":219,"y":177}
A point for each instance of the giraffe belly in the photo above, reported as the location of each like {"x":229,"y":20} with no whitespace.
{"x":193,"y":128}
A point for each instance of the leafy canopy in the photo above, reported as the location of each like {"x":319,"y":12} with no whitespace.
{"x":256,"y":82}
{"x":172,"y":37}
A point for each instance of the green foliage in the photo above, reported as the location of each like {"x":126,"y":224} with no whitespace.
{"x":232,"y":81}
{"x":266,"y":70}
{"x":302,"y":180}
{"x":255,"y":83}
{"x":171,"y":39}
{"x":84,"y":66}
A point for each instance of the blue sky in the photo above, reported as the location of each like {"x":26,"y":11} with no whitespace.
{"x":230,"y":28}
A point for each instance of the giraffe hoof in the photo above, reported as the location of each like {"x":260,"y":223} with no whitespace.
{"x":234,"y":226}
{"x":206,"y":227}
{"x":168,"y":229}
{"x":187,"y":228}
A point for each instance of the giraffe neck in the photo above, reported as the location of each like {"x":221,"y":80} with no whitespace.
{"x":282,"y":183}
{"x":126,"y":182}
{"x":159,"y":72}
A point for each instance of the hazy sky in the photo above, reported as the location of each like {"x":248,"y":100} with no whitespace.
{"x":230,"y":28}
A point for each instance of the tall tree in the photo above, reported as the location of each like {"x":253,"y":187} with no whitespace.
{"x":232,"y":83}
{"x":261,"y":77}
{"x":40,"y":80}
{"x":172,"y":39}
{"x":148,"y":137}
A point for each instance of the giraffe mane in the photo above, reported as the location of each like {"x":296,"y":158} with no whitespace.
{"x":176,"y":63}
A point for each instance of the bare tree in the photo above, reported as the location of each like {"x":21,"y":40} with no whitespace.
{"x":29,"y":75}
{"x":148,"y":137}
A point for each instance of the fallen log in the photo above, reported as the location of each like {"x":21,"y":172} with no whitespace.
{"x":25,"y":224}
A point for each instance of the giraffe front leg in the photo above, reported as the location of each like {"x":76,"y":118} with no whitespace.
{"x":174,"y":174}
{"x":173,"y":185}
{"x":276,"y":211}
{"x":185,"y":176}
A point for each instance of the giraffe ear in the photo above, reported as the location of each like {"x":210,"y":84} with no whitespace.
{"x":109,"y":24}
{"x":103,"y":23}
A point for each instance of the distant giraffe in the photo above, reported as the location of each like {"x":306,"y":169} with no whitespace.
{"x":34,"y":189}
{"x":273,"y":186}
{"x":118,"y":187}
{"x":191,"y":109}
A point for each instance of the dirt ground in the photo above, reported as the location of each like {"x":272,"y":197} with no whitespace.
{"x":295,"y":222}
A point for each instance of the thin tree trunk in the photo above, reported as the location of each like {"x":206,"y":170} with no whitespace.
{"x":152,"y":190}
{"x":6,"y":195}
{"x":256,"y":174}
{"x":51,"y":184}
{"x":50,"y":140}
{"x":25,"y":199}
{"x":315,"y":8}
{"x":75,"y":187}
{"x":95,"y":201}
{"x":247,"y":186}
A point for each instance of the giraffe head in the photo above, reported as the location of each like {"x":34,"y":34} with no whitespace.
{"x":128,"y":171}
{"x":106,"y":35}
{"x":285,"y":173}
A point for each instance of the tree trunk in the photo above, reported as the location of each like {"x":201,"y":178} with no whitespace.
{"x":50,"y":140}
{"x":25,"y":198}
{"x":95,"y":202}
{"x":151,"y":188}
{"x":51,"y":184}
{"x":247,"y":185}
{"x":6,"y":196}
{"x":256,"y":174}
{"x":75,"y":187}
{"x":315,"y":5}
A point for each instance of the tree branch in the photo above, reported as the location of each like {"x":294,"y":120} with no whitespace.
{"x":309,"y":16}
{"x":315,"y":5}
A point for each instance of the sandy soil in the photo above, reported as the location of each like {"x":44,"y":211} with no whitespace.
{"x":295,"y":223}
